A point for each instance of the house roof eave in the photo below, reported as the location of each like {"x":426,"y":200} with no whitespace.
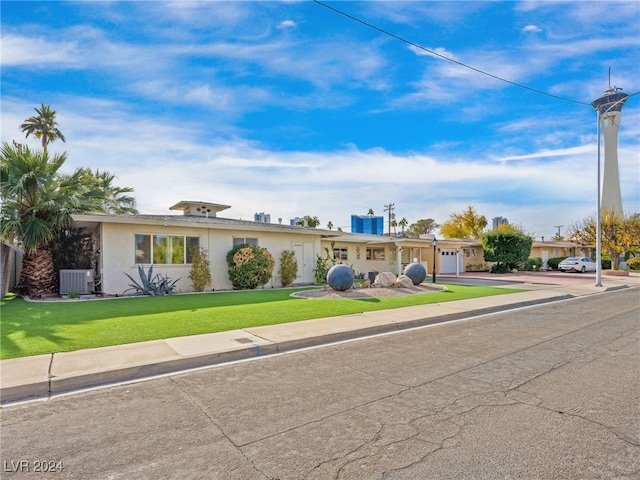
{"x":215,"y":223}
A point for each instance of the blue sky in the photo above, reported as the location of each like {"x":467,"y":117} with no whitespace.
{"x":292,"y":109}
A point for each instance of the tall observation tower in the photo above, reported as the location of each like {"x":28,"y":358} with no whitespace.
{"x":609,"y":108}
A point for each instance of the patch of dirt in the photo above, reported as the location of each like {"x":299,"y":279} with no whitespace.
{"x":370,"y":292}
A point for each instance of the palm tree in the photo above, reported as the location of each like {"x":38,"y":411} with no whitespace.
{"x":403,"y":224}
{"x":329,"y":224}
{"x":37,"y":202}
{"x":370,"y":212}
{"x":309,"y":221}
{"x":43,"y":126}
{"x":115,"y":200}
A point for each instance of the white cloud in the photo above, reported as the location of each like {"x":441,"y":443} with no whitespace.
{"x":166,"y":163}
{"x":286,"y":24}
{"x":545,"y":154}
{"x":437,"y":52}
{"x":532,"y":28}
{"x":22,"y":50}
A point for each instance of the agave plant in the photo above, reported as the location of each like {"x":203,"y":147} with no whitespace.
{"x":150,"y":285}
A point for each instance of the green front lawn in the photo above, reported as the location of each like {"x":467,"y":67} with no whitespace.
{"x":33,"y":328}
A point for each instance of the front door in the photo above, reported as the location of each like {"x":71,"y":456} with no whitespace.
{"x":306,"y":262}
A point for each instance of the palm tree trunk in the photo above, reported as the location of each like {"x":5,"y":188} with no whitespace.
{"x":37,"y":278}
{"x":6,"y":259}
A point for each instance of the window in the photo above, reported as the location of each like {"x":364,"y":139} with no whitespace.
{"x":244,"y":241}
{"x":165,"y":249}
{"x":469,"y":252}
{"x":340,"y":254}
{"x":143,"y":248}
{"x":375,"y":253}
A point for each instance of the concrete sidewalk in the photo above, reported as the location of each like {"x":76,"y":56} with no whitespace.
{"x":46,"y":375}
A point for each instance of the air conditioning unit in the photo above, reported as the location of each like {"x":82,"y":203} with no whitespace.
{"x":81,"y":281}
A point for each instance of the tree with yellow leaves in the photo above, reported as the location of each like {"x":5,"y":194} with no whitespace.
{"x":619,"y":234}
{"x":467,"y":224}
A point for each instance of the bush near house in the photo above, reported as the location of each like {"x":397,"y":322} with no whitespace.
{"x":508,"y":248}
{"x":554,"y":262}
{"x":322,"y":267}
{"x":499,"y":268}
{"x":250,"y":266}
{"x":477,"y":267}
{"x":200,"y":273}
{"x":288,"y":267}
{"x":533,"y":264}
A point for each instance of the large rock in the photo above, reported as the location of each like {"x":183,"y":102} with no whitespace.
{"x":403,"y":282}
{"x":416,"y":272}
{"x":384,"y":279}
{"x":340,"y":277}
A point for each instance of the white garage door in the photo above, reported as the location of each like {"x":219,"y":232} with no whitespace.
{"x":448,"y":260}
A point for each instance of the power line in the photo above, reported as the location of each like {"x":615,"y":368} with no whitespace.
{"x":444,"y":57}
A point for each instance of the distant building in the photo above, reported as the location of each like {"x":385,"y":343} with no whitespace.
{"x":296,"y":221}
{"x":367,"y":224}
{"x":497,"y":221}
{"x":609,"y":108}
{"x":262,"y":217}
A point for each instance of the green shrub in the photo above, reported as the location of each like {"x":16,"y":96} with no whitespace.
{"x":554,"y":262}
{"x":250,"y":266}
{"x":634,"y":263}
{"x":533,"y":264}
{"x":322,"y":267}
{"x":510,"y":248}
{"x":288,"y":267}
{"x":200,"y":273}
{"x":500,"y":268}
{"x":477,"y":267}
{"x":73,"y":293}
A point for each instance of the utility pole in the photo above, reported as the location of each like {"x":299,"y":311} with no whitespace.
{"x":558,"y":227}
{"x":389,"y":208}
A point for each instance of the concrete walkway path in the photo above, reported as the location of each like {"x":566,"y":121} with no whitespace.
{"x":42,"y":376}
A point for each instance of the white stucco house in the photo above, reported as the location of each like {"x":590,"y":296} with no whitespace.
{"x":123,"y":242}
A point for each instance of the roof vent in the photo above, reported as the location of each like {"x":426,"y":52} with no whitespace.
{"x":199,"y":209}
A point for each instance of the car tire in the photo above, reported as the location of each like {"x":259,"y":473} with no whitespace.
{"x":583,"y":269}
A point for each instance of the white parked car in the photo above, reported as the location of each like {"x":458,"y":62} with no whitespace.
{"x":577,"y":264}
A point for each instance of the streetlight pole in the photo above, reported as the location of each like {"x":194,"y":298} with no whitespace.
{"x":598,"y":218}
{"x":433,"y":269}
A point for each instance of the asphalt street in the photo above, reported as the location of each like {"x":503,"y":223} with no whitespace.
{"x":545,"y":392}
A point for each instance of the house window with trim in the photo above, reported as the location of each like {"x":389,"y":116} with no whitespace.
{"x":340,"y":254}
{"x":469,"y":252}
{"x":375,"y":253}
{"x":164,"y":249}
{"x":244,"y":241}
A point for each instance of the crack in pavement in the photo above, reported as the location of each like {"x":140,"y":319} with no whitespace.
{"x":460,"y":407}
{"x":217,"y":427}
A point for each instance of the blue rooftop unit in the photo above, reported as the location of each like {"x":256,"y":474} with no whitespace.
{"x":367,"y":224}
